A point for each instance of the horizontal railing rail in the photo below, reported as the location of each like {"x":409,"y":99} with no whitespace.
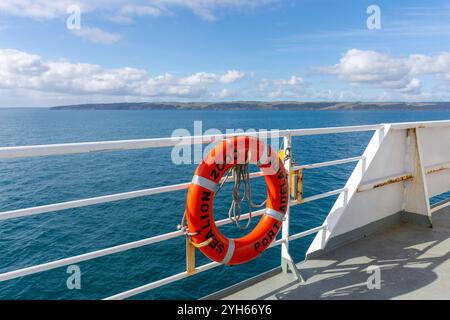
{"x":440,"y":205}
{"x":102,"y":146}
{"x":108,"y":251}
{"x":307,"y":232}
{"x":174,"y":278}
{"x":319,"y":196}
{"x":74,"y":148}
{"x":86,"y":147}
{"x":5,"y":215}
{"x":101,"y":199}
{"x":326,"y":163}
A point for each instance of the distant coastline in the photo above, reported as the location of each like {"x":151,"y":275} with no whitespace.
{"x":260,"y":105}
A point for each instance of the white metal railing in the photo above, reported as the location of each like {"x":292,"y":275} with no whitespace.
{"x":74,"y":148}
{"x":98,"y":200}
{"x":85,"y":147}
{"x":104,"y":252}
{"x":320,"y":196}
{"x":441,"y":205}
{"x":327,"y":163}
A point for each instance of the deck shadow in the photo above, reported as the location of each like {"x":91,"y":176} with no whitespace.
{"x":413,"y":262}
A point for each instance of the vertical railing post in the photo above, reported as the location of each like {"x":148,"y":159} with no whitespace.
{"x":190,"y":257}
{"x":285,"y":257}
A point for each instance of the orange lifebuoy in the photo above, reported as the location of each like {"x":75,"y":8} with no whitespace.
{"x":199,"y":208}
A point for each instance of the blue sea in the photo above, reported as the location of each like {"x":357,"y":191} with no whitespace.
{"x":39,"y":181}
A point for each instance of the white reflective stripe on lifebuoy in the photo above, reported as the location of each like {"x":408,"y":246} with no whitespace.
{"x":263,"y":156}
{"x":269,"y":171}
{"x":275,"y":214}
{"x":230,"y":252}
{"x":205,"y":183}
{"x":272,"y":169}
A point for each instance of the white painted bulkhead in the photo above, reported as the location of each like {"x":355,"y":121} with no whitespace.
{"x":402,"y":167}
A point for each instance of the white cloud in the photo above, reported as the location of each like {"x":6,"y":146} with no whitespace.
{"x":434,"y":65}
{"x":202,"y":78}
{"x":119,"y":11}
{"x":413,"y":87}
{"x":223,"y":94}
{"x":96,"y":35}
{"x":293,"y":81}
{"x":371,"y":67}
{"x":42,"y":9}
{"x":231,"y":76}
{"x":380,"y":70}
{"x":24,"y":71}
{"x":293,"y":88}
{"x":371,"y":75}
{"x":199,"y":78}
{"x":206,"y":9}
{"x":125,"y":10}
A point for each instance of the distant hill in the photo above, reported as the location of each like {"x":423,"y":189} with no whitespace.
{"x":260,"y":105}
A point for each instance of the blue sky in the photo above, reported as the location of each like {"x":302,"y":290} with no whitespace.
{"x":208,"y":50}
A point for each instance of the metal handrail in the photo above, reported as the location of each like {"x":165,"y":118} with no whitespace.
{"x":319,"y":196}
{"x":73,"y":148}
{"x":5,"y":215}
{"x":108,"y":251}
{"x":101,"y":199}
{"x":327,"y":163}
{"x":120,"y":145}
{"x":86,"y":147}
{"x":174,"y":278}
{"x":440,"y":205}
